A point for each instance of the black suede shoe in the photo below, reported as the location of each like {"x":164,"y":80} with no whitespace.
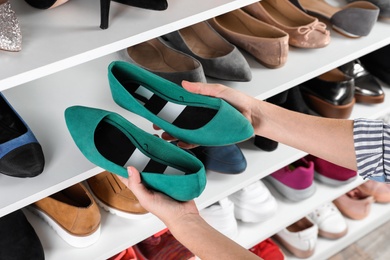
{"x":21,"y":154}
{"x":297,"y":103}
{"x":262,"y":142}
{"x":18,"y":239}
{"x":378,"y":63}
{"x":367,"y":89}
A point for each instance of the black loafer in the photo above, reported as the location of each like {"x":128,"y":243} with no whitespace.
{"x":330,"y":94}
{"x":378,"y":63}
{"x":18,"y":239}
{"x":367,"y":88}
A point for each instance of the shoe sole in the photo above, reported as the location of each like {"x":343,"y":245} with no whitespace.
{"x":295,"y":251}
{"x":329,"y":110}
{"x":330,"y":235}
{"x":290,"y":193}
{"x":247,"y":216}
{"x":73,"y":240}
{"x":117,"y":212}
{"x":369,"y":99}
{"x":332,"y":182}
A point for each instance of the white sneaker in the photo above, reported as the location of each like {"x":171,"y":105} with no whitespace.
{"x":299,"y":238}
{"x":331,"y":223}
{"x":221,"y":217}
{"x":254,"y":203}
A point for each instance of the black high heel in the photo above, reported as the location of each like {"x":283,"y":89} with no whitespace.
{"x":157,"y":5}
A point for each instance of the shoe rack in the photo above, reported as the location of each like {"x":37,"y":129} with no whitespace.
{"x":64,"y":62}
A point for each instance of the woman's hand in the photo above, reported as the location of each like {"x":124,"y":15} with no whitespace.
{"x":247,"y":105}
{"x":164,"y":207}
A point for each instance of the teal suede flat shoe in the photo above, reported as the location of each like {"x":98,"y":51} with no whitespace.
{"x":190,"y":117}
{"x":111,"y":142}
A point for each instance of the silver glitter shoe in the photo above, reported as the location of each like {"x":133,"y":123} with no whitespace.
{"x":10,"y":34}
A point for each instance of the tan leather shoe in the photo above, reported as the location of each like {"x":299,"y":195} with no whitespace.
{"x":266,"y":43}
{"x":379,"y":190}
{"x":305,"y":31}
{"x":72,"y":213}
{"x":112,"y":195}
{"x":354,"y":204}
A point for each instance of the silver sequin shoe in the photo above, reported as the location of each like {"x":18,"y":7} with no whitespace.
{"x":10,"y":34}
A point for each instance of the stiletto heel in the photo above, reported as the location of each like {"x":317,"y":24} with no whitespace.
{"x":157,"y":5}
{"x":104,"y":13}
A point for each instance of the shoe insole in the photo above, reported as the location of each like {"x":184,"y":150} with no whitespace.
{"x":202,"y":41}
{"x":182,"y":116}
{"x":116,"y":147}
{"x":11,"y":126}
{"x":282,"y":16}
{"x":320,"y":7}
{"x":250,"y":26}
{"x":156,"y":56}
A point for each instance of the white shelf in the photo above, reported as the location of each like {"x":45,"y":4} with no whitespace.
{"x":379,"y":214}
{"x":60,"y":38}
{"x":64,"y":62}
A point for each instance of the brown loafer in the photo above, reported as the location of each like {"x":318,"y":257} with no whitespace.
{"x":112,"y":195}
{"x":72,"y":213}
{"x":266,"y":43}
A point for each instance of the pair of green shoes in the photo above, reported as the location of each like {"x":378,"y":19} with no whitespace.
{"x":111,"y":142}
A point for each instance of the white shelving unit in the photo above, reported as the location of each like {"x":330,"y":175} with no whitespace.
{"x":64,"y":62}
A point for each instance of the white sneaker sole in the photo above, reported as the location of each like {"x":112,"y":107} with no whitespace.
{"x":290,"y":193}
{"x":75,"y":241}
{"x":332,"y":182}
{"x":117,"y":212}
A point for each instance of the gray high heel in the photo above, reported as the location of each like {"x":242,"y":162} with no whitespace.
{"x":220,"y":58}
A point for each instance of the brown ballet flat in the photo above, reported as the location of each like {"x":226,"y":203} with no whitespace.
{"x":266,"y":43}
{"x":305,"y":31}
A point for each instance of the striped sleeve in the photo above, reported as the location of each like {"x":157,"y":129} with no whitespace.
{"x":372,"y":148}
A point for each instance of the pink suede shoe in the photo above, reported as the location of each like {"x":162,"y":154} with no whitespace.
{"x":295,"y":181}
{"x":379,"y":190}
{"x":354,"y":204}
{"x":331,"y":174}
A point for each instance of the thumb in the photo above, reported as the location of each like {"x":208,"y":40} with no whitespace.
{"x":202,"y":88}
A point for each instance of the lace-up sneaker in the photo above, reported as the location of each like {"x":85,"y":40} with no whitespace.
{"x":254,"y":203}
{"x":221,"y":217}
{"x":331,"y":223}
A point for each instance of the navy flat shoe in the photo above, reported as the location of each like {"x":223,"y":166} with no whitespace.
{"x":20,"y":153}
{"x":227,"y":159}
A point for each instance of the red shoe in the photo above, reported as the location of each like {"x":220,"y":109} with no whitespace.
{"x":268,"y":250}
{"x":329,"y":173}
{"x":162,"y":246}
{"x":127,"y":254}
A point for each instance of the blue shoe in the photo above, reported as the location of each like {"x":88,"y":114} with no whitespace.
{"x":113,"y":143}
{"x":223,"y":159}
{"x":20,"y":153}
{"x":190,"y":117}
